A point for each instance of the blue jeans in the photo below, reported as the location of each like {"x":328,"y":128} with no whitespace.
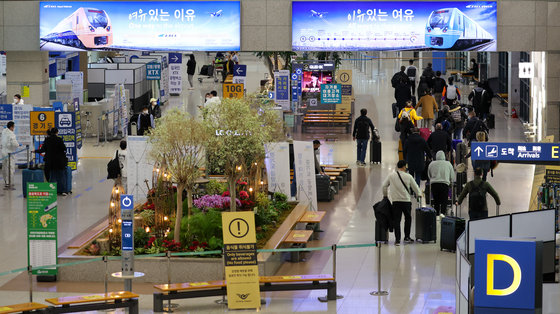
{"x":457,"y":133}
{"x":362,"y":148}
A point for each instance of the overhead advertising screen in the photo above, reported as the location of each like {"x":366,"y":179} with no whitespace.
{"x":140,"y":25}
{"x":414,"y":25}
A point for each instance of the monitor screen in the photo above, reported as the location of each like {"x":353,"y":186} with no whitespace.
{"x":312,"y":80}
{"x":140,"y":25}
{"x":415,"y":25}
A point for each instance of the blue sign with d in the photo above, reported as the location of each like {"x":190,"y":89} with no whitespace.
{"x":508,"y":274}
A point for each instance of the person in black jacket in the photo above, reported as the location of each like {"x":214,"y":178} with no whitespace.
{"x":415,"y":152}
{"x":400,"y":83}
{"x":55,"y":156}
{"x":406,"y":127}
{"x":145,"y":121}
{"x":191,"y":68}
{"x":440,"y":140}
{"x":362,"y":125}
{"x":474,"y":125}
{"x":429,"y":75}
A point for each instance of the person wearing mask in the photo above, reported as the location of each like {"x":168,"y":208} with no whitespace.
{"x":416,"y":151}
{"x":191,"y":69}
{"x":122,"y":180}
{"x":145,"y":121}
{"x":398,"y":186}
{"x":154,"y":109}
{"x":9,"y":146}
{"x":428,"y":104}
{"x":451,"y":93}
{"x":234,"y":57}
{"x":477,"y":96}
{"x":411,"y":73}
{"x":429,"y":74}
{"x":440,"y":140}
{"x":458,"y":116}
{"x":17,"y":100}
{"x":440,"y":176}
{"x":360,"y":134}
{"x":316,"y":153}
{"x":411,"y":113}
{"x":400,"y":83}
{"x":477,"y":189}
{"x":473,"y":126}
{"x":439,"y":85}
{"x":55,"y":158}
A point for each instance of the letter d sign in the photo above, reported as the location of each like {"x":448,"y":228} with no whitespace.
{"x":490,"y":290}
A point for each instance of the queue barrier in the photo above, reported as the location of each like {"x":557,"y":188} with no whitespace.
{"x":10,"y":161}
{"x":193,"y":290}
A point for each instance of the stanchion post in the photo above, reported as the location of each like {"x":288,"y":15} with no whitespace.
{"x":10,"y":170}
{"x":27,"y":152}
{"x":497,"y":210}
{"x":170,"y":306}
{"x":223,"y":300}
{"x":30,"y":274}
{"x":106,"y":279}
{"x":379,"y":292}
{"x":331,"y":292}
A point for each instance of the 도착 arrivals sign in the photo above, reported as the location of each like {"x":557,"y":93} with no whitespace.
{"x":140,"y":25}
{"x":516,"y":152}
{"x":385,"y":25}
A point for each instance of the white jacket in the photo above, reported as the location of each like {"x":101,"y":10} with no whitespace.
{"x":398,"y":193}
{"x":9,"y":142}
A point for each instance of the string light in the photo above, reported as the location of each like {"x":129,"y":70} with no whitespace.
{"x":250,"y":189}
{"x":147,"y":229}
{"x":239,"y":168}
{"x":262,"y":182}
{"x":119,"y":220}
{"x":165,"y":218}
{"x":157,"y":169}
{"x":111,"y":230}
{"x":117,"y":190}
{"x":112,"y":204}
{"x":255,"y":164}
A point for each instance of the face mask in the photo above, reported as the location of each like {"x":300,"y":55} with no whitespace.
{"x":145,"y":112}
{"x":207,"y":98}
{"x":16,"y":101}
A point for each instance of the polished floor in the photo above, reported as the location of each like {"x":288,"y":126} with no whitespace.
{"x":419,"y":277}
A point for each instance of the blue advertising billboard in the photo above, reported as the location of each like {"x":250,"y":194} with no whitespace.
{"x":140,"y":25}
{"x":372,"y":25}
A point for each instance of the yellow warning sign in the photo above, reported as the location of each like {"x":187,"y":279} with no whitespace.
{"x":40,"y":122}
{"x":344,"y":77}
{"x":233,"y":91}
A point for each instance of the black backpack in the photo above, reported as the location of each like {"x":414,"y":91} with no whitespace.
{"x":477,"y":198}
{"x":411,"y":72}
{"x":114,"y":167}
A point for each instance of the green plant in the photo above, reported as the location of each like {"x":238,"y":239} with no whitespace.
{"x":148,"y":217}
{"x":215,"y":187}
{"x":265,"y":216}
{"x":141,"y":238}
{"x":262,"y":200}
{"x":279,"y":197}
{"x":201,"y":226}
{"x":215,"y":243}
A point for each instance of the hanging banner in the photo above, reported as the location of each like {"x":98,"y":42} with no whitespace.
{"x":305,"y":173}
{"x":42,"y":226}
{"x":175,"y":73}
{"x":77,"y":79}
{"x":278,"y":167}
{"x":66,"y":124}
{"x":241,"y":268}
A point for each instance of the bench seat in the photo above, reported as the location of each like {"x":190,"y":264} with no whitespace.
{"x":312,"y":217}
{"x":295,"y":278}
{"x":191,"y":285}
{"x":22,"y":307}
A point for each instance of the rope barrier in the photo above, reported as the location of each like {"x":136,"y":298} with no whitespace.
{"x":16,"y":152}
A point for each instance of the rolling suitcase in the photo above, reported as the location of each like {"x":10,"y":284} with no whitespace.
{"x":375,"y":152}
{"x":324,"y":191}
{"x":451,"y":229}
{"x":30,"y":176}
{"x":491,"y":121}
{"x":425,"y":133}
{"x":460,"y":182}
{"x":425,"y":224}
{"x":401,"y":151}
{"x":381,"y":233}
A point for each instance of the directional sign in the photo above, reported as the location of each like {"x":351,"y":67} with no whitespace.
{"x":240,"y":70}
{"x":175,"y":57}
{"x":516,"y":152}
{"x":233,"y":90}
{"x":271,"y":95}
{"x":41,"y":121}
{"x":526,"y":70}
{"x":294,"y":76}
{"x":153,"y":71}
{"x":299,"y":71}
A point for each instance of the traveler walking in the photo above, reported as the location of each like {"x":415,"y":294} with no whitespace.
{"x":122,"y":180}
{"x":429,"y":74}
{"x":9,"y":146}
{"x":400,"y":83}
{"x":429,"y":106}
{"x":411,"y":112}
{"x":459,"y":117}
{"x":191,"y":69}
{"x":485,"y":165}
{"x":423,"y":87}
{"x":154,"y":109}
{"x":440,"y":176}
{"x":477,"y":189}
{"x":400,"y":185}
{"x":416,"y":151}
{"x":411,"y":71}
{"x":55,"y":158}
{"x":17,"y":100}
{"x":440,"y":140}
{"x":360,"y":134}
{"x":145,"y":121}
{"x":439,"y":85}
{"x":477,"y":98}
{"x":444,"y":118}
{"x":451,"y":93}
{"x":474,"y":125}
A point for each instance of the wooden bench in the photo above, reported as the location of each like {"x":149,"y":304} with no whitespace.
{"x":95,"y":302}
{"x":297,"y":239}
{"x":503,"y":98}
{"x":31,"y":307}
{"x":191,"y":290}
{"x":340,"y":118}
{"x":313,"y":221}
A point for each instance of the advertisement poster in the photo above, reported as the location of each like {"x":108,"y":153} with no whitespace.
{"x":66,"y":124}
{"x":383,"y":25}
{"x":277,"y":162}
{"x":140,"y":25}
{"x":312,"y":80}
{"x":241,"y":268}
{"x":305,"y":172}
{"x":282,"y":88}
{"x":42,"y":226}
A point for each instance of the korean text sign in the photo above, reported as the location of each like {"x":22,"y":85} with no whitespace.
{"x":520,"y":152}
{"x":66,"y":124}
{"x":384,"y":25}
{"x":331,"y":94}
{"x":140,"y":25}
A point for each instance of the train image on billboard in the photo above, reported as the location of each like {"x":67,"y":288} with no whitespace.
{"x":86,"y":28}
{"x":452,"y":29}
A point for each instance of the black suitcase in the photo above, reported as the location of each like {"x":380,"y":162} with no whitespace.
{"x":460,"y":182}
{"x":324,"y":191}
{"x":491,"y":121}
{"x":375,"y":152}
{"x":425,"y":225}
{"x":381,"y":233}
{"x":451,"y":229}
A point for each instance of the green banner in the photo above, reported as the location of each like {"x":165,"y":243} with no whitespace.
{"x":42,"y":227}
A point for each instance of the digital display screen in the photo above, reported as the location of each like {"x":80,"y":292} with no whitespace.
{"x":415,"y":25}
{"x":312,"y":80}
{"x":127,"y":239}
{"x":140,"y":25}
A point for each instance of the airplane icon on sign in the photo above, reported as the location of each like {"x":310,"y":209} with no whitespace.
{"x":492,"y":151}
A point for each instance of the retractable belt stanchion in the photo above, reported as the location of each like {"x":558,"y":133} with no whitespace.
{"x":223,"y":300}
{"x":379,"y":292}
{"x":332,"y":296}
{"x":30,"y":274}
{"x":170,"y":306}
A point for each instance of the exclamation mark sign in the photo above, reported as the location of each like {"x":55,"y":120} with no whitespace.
{"x":239,"y":228}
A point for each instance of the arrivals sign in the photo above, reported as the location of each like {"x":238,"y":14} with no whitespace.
{"x":241,"y":268}
{"x":388,"y":25}
{"x":42,"y":226}
{"x":519,"y":152}
{"x":508,"y":274}
{"x":140,"y":25}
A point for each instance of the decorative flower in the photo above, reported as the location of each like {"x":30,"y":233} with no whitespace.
{"x":243,"y":195}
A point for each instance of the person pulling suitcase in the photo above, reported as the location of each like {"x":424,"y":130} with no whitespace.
{"x":360,"y":134}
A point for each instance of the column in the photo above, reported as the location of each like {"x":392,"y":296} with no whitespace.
{"x":28,"y":68}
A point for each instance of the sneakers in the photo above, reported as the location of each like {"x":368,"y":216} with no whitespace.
{"x":408,"y":240}
{"x":397,"y":243}
{"x":441,"y":216}
{"x":361,"y":164}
